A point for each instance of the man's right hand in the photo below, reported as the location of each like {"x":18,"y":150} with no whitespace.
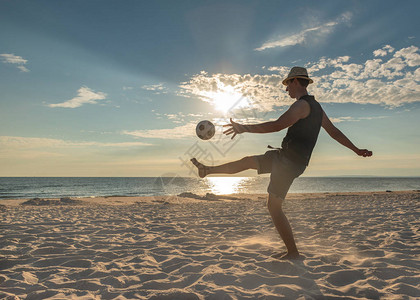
{"x":234,"y":128}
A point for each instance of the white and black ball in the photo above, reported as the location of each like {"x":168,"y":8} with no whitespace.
{"x":205,"y":130}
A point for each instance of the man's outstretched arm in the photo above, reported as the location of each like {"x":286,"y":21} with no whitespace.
{"x":298,"y":110}
{"x":337,"y":135}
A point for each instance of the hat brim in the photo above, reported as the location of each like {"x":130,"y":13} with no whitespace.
{"x":303,"y":77}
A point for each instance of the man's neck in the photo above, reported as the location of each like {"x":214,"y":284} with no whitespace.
{"x":301,"y":93}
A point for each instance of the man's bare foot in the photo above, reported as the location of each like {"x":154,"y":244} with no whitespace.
{"x":286,"y":255}
{"x":202,"y":169}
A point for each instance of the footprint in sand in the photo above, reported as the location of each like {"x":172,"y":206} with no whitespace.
{"x":344,"y":277}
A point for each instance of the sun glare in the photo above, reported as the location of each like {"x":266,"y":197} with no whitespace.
{"x":228,"y":99}
{"x":224,"y":185}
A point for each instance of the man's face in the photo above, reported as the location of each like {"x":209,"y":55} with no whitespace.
{"x":291,"y":87}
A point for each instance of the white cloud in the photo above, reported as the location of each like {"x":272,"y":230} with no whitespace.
{"x":342,"y":119}
{"x":17,"y":142}
{"x":16,"y":60}
{"x":384,"y":51}
{"x":353,"y":119}
{"x":13,"y":59}
{"x":327,"y":62}
{"x":156,"y":88}
{"x":84,"y":96}
{"x":310,"y":33}
{"x":179,"y":132}
{"x":261,"y":92}
{"x":391,"y":82}
{"x":23,"y":69}
{"x":179,"y":117}
{"x":410,"y":55}
{"x":280,"y":70}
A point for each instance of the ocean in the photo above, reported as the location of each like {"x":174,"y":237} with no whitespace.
{"x":57,"y":187}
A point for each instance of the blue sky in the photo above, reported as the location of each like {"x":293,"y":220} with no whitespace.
{"x":115,"y":88}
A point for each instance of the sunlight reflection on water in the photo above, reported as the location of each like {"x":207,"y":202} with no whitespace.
{"x":228,"y":185}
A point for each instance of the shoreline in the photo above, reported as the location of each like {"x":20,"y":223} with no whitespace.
{"x":129,"y":200}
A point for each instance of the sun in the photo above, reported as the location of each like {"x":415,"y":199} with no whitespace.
{"x":227,"y":99}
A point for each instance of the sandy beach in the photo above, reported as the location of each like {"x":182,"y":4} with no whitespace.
{"x":353,"y":246}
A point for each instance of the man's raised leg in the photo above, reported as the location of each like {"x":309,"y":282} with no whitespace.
{"x":248,"y":162}
{"x":283,"y":227}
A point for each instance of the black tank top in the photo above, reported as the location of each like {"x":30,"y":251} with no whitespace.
{"x":301,"y":137}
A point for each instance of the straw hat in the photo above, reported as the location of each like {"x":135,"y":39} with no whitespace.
{"x":297,"y":72}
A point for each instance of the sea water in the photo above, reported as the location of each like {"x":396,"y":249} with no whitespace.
{"x":56,"y":187}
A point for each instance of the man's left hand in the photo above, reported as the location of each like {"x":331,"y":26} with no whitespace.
{"x":364,"y":152}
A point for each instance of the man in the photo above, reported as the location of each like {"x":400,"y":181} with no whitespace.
{"x":303,"y":119}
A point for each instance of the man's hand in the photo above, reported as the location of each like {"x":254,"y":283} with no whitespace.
{"x":234,"y":128}
{"x":364,"y":152}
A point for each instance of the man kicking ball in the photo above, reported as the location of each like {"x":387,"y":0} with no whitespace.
{"x":303,"y":119}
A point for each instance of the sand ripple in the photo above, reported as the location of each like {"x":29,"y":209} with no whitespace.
{"x":354,"y":246}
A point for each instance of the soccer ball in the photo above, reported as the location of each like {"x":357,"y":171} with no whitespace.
{"x":205,"y":130}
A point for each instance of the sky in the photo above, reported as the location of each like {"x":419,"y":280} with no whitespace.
{"x":116,"y":88}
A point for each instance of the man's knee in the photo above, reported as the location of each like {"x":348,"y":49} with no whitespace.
{"x":274,"y":203}
{"x":250,"y":162}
